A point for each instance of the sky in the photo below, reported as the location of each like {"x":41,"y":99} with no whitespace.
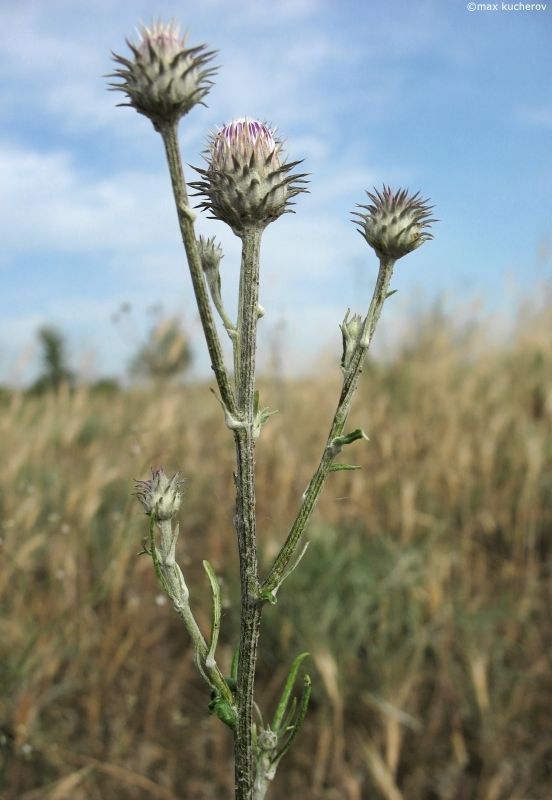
{"x":424,"y":94}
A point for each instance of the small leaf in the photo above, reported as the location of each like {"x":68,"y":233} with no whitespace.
{"x":286,"y":694}
{"x":271,"y":595}
{"x":393,"y":291}
{"x":287,"y":724}
{"x":299,"y":719}
{"x":234,"y":667}
{"x":342,"y":467}
{"x":216,"y":613}
{"x":224,"y":711}
{"x":338,"y":442}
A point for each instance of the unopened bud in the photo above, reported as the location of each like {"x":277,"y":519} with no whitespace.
{"x":160,"y":495}
{"x":350,"y":330}
{"x":164,"y":79}
{"x":246,"y":184}
{"x":395,"y":223}
{"x":210,"y":253}
{"x":268,"y":739}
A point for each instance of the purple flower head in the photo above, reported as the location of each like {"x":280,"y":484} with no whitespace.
{"x":246,"y":182}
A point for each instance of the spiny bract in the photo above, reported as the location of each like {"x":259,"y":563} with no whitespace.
{"x":165,"y":79}
{"x":395,"y":223}
{"x":160,"y":495}
{"x":246,"y":184}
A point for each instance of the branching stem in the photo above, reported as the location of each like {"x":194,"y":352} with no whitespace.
{"x":171,"y":579}
{"x":350,"y":382}
{"x":239,"y":407}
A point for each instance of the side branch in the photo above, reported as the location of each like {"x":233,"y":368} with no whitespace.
{"x":281,"y":566}
{"x":186,"y":222}
{"x":172,"y":580}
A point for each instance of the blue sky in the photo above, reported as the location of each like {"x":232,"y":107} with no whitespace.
{"x":424,"y":94}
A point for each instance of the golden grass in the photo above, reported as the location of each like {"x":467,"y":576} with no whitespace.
{"x":424,"y":597}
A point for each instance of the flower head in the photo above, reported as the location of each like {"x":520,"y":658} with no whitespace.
{"x":246,"y":184}
{"x":210,"y":253}
{"x":350,"y":330}
{"x":160,"y":495}
{"x":395,"y":223}
{"x":165,"y":79}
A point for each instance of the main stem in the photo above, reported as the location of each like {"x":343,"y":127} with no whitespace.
{"x":240,"y":407}
{"x":245,"y":511}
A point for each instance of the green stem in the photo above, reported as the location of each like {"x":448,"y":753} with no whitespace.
{"x":245,"y":512}
{"x":350,"y":383}
{"x":169,"y":134}
{"x":171,"y":579}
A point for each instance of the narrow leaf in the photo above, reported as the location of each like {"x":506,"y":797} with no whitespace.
{"x":216,"y":613}
{"x":288,"y":688}
{"x":339,"y":442}
{"x":299,"y":719}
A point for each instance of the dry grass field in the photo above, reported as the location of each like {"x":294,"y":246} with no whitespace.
{"x":424,"y":598}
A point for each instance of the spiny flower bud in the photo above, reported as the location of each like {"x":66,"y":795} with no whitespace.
{"x":268,"y":739}
{"x":165,"y":79}
{"x":246,"y":184}
{"x":210,"y":253}
{"x":395,"y":223}
{"x":351,"y":330}
{"x":160,"y":495}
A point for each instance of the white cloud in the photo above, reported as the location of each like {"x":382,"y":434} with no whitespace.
{"x":48,"y":200}
{"x":58,"y":70}
{"x":80,"y":177}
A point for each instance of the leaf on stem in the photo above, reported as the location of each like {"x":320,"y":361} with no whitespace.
{"x":338,"y":442}
{"x":271,"y":595}
{"x":286,"y":694}
{"x":299,"y":719}
{"x":215,"y":616}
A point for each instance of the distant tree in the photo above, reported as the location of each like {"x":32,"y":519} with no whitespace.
{"x":55,"y":371}
{"x":105,"y":386}
{"x":5,"y":394}
{"x":165,"y":354}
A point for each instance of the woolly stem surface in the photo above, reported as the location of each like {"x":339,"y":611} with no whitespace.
{"x":245,"y":512}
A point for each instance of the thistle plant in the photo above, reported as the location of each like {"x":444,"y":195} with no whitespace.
{"x":247,"y":183}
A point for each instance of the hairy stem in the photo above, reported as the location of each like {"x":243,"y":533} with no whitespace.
{"x":245,"y":511}
{"x":350,"y":382}
{"x":172,"y":580}
{"x":169,"y":134}
{"x":240,"y":407}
